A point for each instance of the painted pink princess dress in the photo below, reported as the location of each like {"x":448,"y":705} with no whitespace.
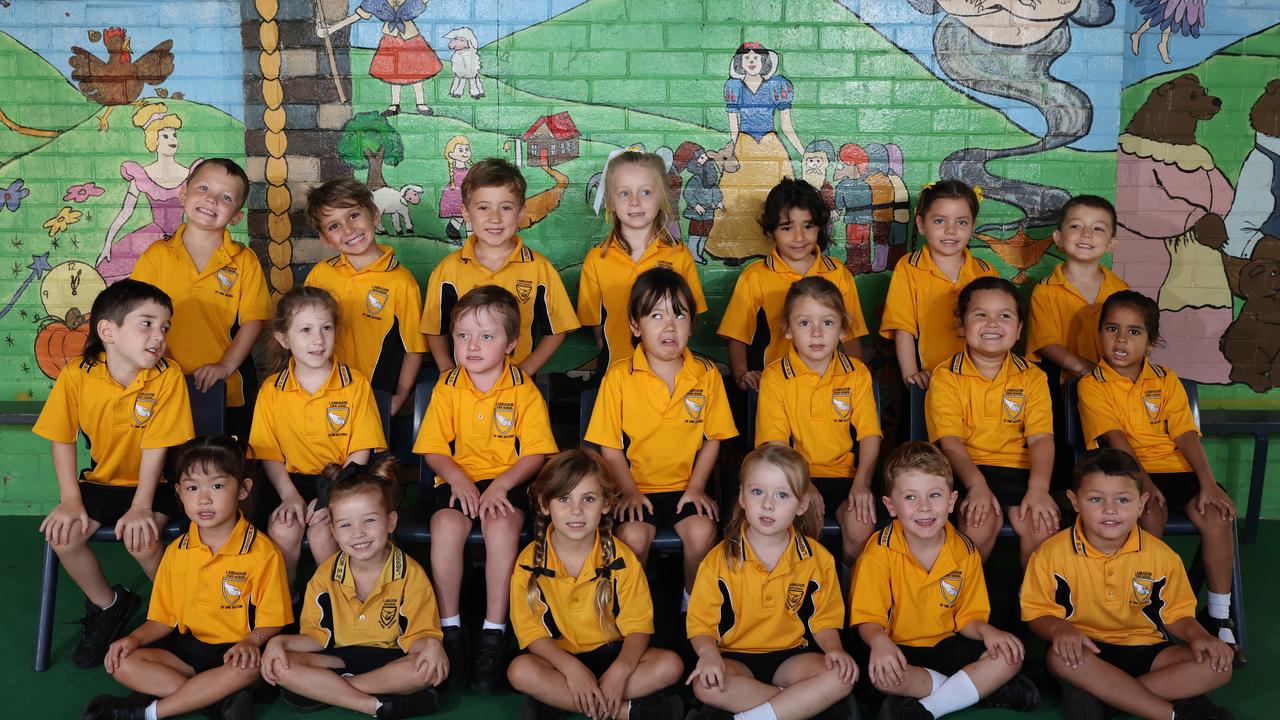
{"x":166,"y":216}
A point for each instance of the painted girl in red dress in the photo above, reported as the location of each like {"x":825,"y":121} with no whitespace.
{"x":403,"y":56}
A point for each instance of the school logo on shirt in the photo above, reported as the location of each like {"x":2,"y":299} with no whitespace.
{"x":842,"y":403}
{"x":375,"y":301}
{"x":388,"y":614}
{"x":795,"y":595}
{"x":233,"y":588}
{"x":504,"y":419}
{"x":1013,"y":401}
{"x":694,"y":402}
{"x":336,"y":416}
{"x":1142,"y":585}
{"x":524,"y":290}
{"x":144,"y":406}
{"x":1152,"y":400}
{"x":950,"y":586}
{"x":227,"y":277}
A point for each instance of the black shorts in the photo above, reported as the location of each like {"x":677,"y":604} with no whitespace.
{"x":1179,"y":488}
{"x":764,"y":666}
{"x":599,"y":660}
{"x":1136,"y":660}
{"x":664,"y":513}
{"x":358,"y":659}
{"x":200,"y":655}
{"x":108,"y":503}
{"x":948,"y":657}
{"x":1009,"y":485}
{"x":833,"y":491}
{"x":518,"y":496}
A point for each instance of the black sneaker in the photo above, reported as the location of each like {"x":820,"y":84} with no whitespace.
{"x":1019,"y":694}
{"x":1199,"y":708}
{"x":1217,"y":626}
{"x":415,"y":704}
{"x":236,"y":706}
{"x":844,"y":709}
{"x":102,"y":627}
{"x":708,"y":713}
{"x":300,"y":703}
{"x":657,"y":707}
{"x":458,"y":650}
{"x":490,"y":668}
{"x":1080,"y":705}
{"x":899,"y":707}
{"x":107,"y":707}
{"x":533,"y":709}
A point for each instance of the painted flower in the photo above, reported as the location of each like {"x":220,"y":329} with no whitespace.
{"x":84,"y":191}
{"x":11,"y":197}
{"x":59,"y":223}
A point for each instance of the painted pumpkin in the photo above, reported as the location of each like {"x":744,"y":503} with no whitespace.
{"x":59,"y":342}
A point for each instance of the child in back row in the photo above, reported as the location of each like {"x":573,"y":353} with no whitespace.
{"x":312,"y":412}
{"x":818,"y":400}
{"x":919,"y":602}
{"x":369,"y":636}
{"x":493,"y":205}
{"x":131,"y":404}
{"x":989,"y":410}
{"x":1107,"y":597}
{"x":217,"y":287}
{"x":380,"y":305}
{"x":764,"y":598}
{"x":1130,"y":403}
{"x":219,"y":596}
{"x":635,"y":191}
{"x":659,"y":418}
{"x":580,"y":606}
{"x":919,"y":310}
{"x":795,"y":218}
{"x":484,"y":434}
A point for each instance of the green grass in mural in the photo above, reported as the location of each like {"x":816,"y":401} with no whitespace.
{"x":29,"y":76}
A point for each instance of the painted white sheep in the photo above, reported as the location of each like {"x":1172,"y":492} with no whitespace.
{"x":396,"y":204}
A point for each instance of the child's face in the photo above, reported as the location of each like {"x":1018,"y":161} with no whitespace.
{"x":1086,"y":234}
{"x":766,"y":497}
{"x":494,"y":214}
{"x":990,"y":323}
{"x":577,"y":515}
{"x":310,"y":338}
{"x":1124,"y":338}
{"x":349,"y":230}
{"x":635,"y":196}
{"x":814,"y":329}
{"x":210,"y":497}
{"x":921,"y":502}
{"x":361,"y":525}
{"x":947,"y":226}
{"x":212,"y":198}
{"x":1109,"y":507}
{"x":139,"y":339}
{"x":796,"y":237}
{"x":480,"y":344}
{"x":663,"y":332}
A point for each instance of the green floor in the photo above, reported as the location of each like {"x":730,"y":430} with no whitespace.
{"x":63,"y":690}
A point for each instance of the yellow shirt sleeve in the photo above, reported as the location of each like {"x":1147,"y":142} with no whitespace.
{"x":255,"y":301}
{"x":264,"y":444}
{"x":1044,"y":327}
{"x":589,"y":293}
{"x":605,"y":427}
{"x":366,"y":422}
{"x":739,"y":320}
{"x":272,"y":604}
{"x":171,"y":423}
{"x":872,"y":595}
{"x":535,"y":424}
{"x":828,"y":601}
{"x":419,"y":611}
{"x":1039,"y":588}
{"x":943,"y":410}
{"x":717,"y":421}
{"x":524,"y":619}
{"x":866,"y":416}
{"x":560,"y":311}
{"x":432,"y":322}
{"x":437,"y":431}
{"x":1180,"y":600}
{"x":309,"y":621}
{"x":1098,"y":416}
{"x":900,"y":311}
{"x":634,"y":601}
{"x":145,"y":268}
{"x":59,"y":419}
{"x":1038,"y":415}
{"x":973,"y":604}
{"x":163,"y":592}
{"x":409,"y":314}
{"x":703,"y":617}
{"x":1178,"y":408}
{"x":772,"y":424}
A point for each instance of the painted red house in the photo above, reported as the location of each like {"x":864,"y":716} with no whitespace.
{"x":551,"y":140}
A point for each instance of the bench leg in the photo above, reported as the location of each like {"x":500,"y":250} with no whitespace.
{"x":1237,"y":601}
{"x":1257,"y":477}
{"x":48,"y":594}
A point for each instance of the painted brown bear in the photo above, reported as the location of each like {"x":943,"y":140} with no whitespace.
{"x":1252,"y":342}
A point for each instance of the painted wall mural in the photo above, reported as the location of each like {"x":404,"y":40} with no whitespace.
{"x":1170,"y":106}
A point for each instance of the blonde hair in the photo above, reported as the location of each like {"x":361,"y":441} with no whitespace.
{"x":796,"y":470}
{"x":562,"y":473}
{"x":151,"y":119}
{"x":449,"y":147}
{"x":659,"y":168}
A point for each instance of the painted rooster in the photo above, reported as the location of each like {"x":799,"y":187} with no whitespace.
{"x":119,"y":80}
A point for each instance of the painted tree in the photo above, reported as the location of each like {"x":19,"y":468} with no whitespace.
{"x":368,"y":141}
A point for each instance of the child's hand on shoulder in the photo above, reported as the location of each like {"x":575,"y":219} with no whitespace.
{"x":1001,"y":644}
{"x":710,"y":670}
{"x":57,"y":526}
{"x":1218,"y":653}
{"x":243,"y":655}
{"x":702,"y":502}
{"x":1071,"y":645}
{"x":887,"y":665}
{"x":431,"y":665}
{"x":631,"y":507}
{"x":843,"y":664}
{"x":118,"y":651}
{"x":274,"y":659}
{"x":465,"y":495}
{"x":587,"y":698}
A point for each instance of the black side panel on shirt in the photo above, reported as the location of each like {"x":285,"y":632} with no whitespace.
{"x":759,"y":342}
{"x":727,"y":617}
{"x":386,"y":373}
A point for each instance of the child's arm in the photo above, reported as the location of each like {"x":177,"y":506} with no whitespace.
{"x":1067,"y":642}
{"x":429,"y":656}
{"x":583,"y":688}
{"x":241,"y":346}
{"x":836,"y":658}
{"x":613,"y":683}
{"x":630,"y":499}
{"x":745,"y":379}
{"x":542,"y":352}
{"x":696,"y":492}
{"x":999,"y":643}
{"x":292,"y":509}
{"x":1065,"y":359}
{"x":904,"y":346}
{"x":145,"y":634}
{"x":439,"y":345}
{"x":463,"y":487}
{"x":275,"y":656}
{"x":710,"y":667}
{"x":887,"y":665}
{"x":493,"y":501}
{"x":409,"y":368}
{"x":979,"y":501}
{"x":1210,"y":492}
{"x":862,"y":502}
{"x":244,"y":654}
{"x":1037,"y":503}
{"x":137,"y":527}
{"x":57,"y":525}
{"x":1203,"y":645}
{"x":359,"y":456}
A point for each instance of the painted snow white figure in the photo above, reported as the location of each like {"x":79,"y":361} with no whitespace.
{"x":403,"y":56}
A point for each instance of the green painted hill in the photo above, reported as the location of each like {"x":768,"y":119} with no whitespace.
{"x":36,"y":95}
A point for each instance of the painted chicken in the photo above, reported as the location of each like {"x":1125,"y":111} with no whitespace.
{"x":120,"y":79}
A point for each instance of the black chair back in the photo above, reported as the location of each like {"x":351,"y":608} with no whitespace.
{"x":208,"y":408}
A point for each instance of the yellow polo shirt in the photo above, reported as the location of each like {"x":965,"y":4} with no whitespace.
{"x":120,"y":422}
{"x":916,"y":606}
{"x":661,"y":431}
{"x":307,"y":432}
{"x":754,"y":314}
{"x":1127,"y":598}
{"x":221,"y":597}
{"x":565,"y":608}
{"x":922,"y":301}
{"x":995,"y":417}
{"x":1152,"y":413}
{"x":381,"y":309}
{"x":818,"y":415}
{"x":397,"y":612}
{"x":1060,"y":315}
{"x":209,"y":305}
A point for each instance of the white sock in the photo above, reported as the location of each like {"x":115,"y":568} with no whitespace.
{"x":684,"y":602}
{"x":114,"y":598}
{"x":500,"y":627}
{"x":150,"y":712}
{"x":377,"y":707}
{"x":957,"y":693}
{"x":759,"y":712}
{"x":1219,"y":605}
{"x":938,"y":680}
{"x":451,"y":621}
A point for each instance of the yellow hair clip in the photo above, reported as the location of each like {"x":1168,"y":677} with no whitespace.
{"x":977,"y":190}
{"x":928,"y":186}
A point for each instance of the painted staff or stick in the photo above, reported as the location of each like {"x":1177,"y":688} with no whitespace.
{"x":39,"y":266}
{"x":328,"y":48}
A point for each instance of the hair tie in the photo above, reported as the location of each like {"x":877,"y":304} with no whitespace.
{"x":539,"y":571}
{"x":605,"y":571}
{"x":155,"y":117}
{"x":977,"y":190}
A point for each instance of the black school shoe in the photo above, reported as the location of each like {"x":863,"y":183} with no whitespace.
{"x":416,"y":704}
{"x":1080,"y":705}
{"x":1215,"y":626}
{"x":236,"y":706}
{"x":490,"y":669}
{"x":1019,"y":694}
{"x":533,"y":709}
{"x":900,"y":707}
{"x":458,"y":650}
{"x":1199,"y":708}
{"x":706,"y":712}
{"x":103,"y":626}
{"x":657,"y":707}
{"x":299,"y":703}
{"x":107,"y":707}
